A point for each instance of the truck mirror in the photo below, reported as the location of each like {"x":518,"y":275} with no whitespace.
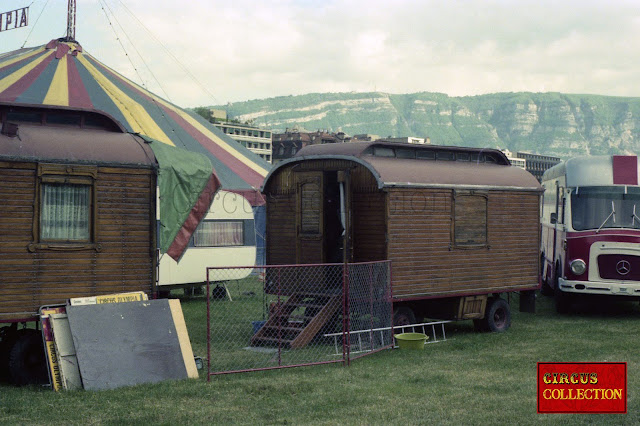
{"x":554,"y":218}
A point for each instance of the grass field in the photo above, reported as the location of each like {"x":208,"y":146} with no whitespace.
{"x":472,"y":378}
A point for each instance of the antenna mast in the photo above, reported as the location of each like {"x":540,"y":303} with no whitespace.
{"x":71,"y":21}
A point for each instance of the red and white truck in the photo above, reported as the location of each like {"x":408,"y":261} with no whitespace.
{"x":590,"y":220}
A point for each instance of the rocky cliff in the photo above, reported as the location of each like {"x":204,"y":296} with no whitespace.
{"x":544,"y":123}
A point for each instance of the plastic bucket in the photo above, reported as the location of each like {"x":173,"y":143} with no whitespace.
{"x":411,"y":340}
{"x":257,"y":325}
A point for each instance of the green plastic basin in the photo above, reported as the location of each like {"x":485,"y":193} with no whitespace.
{"x":411,"y":340}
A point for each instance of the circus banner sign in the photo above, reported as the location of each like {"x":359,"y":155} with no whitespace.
{"x":14,"y":19}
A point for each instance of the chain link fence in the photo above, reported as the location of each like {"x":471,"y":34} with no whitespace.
{"x":295,"y":315}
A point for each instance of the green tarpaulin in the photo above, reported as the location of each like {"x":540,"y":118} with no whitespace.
{"x":187,"y":186}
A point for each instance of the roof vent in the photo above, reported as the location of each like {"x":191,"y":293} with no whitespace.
{"x":9,"y":129}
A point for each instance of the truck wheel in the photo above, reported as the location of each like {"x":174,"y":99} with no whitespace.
{"x":545,"y":288}
{"x":403,"y":316}
{"x":27,"y":362}
{"x":498,"y":316}
{"x":563,"y":300}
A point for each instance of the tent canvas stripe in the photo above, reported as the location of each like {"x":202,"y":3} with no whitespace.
{"x":138,"y":118}
{"x":36,"y":91}
{"x":97,"y":96}
{"x":58,"y":93}
{"x":15,"y":84}
{"x":205,"y":133}
{"x":241,"y":166}
{"x":208,"y":134}
{"x":60,"y":74}
{"x":149,"y":105}
{"x":78,"y":95}
{"x":155,"y":100}
{"x":19,"y":60}
{"x":251,"y":176}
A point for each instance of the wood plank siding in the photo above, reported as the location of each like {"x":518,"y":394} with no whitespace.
{"x":427,"y":262}
{"x":123,"y":258}
{"x":454,"y":221}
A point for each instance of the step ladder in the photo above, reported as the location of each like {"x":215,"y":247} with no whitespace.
{"x":294,"y":323}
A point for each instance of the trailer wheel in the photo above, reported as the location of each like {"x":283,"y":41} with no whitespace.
{"x":498,"y":316}
{"x":403,"y":316}
{"x":27,"y":362}
{"x":7,"y":339}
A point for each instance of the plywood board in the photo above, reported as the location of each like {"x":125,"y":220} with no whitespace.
{"x":183,"y":338}
{"x":123,"y":344}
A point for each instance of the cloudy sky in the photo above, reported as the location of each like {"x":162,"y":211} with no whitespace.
{"x":205,"y":52}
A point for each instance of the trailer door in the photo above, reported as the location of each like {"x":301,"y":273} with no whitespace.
{"x":309,"y":217}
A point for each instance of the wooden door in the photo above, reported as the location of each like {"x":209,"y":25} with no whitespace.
{"x":310,"y":217}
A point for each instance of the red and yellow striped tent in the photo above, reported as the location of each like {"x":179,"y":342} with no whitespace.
{"x":62,"y":74}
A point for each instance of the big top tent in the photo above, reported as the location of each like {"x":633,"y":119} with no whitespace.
{"x":60,"y":73}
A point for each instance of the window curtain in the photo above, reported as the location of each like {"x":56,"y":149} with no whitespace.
{"x":218,"y":234}
{"x":65,"y":212}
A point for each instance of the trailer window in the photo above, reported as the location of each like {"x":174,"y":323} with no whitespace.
{"x":216,"y":233}
{"x":380,"y":151}
{"x":65,"y":212}
{"x":405,"y":153}
{"x":470,"y":220}
{"x":445,"y":156}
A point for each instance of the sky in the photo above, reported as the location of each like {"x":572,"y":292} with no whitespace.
{"x":212,"y":52}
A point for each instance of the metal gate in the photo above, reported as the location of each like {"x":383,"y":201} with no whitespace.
{"x":296,"y":315}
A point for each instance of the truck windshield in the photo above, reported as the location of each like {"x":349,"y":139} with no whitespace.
{"x":605,"y":207}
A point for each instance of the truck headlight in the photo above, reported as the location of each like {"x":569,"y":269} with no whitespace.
{"x":578,"y":267}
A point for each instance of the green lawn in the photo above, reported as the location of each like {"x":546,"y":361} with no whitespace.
{"x":471,"y":378}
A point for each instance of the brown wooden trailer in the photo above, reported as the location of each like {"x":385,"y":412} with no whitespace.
{"x":460,"y":225}
{"x":77,"y":216}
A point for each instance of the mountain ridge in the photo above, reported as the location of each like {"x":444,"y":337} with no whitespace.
{"x":551,"y":123}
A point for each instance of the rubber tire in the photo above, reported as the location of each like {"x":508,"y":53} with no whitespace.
{"x":403,"y":316}
{"x":27,"y":361}
{"x":563,"y":300}
{"x":545,"y":288}
{"x":497,"y":317}
{"x":8,"y":339}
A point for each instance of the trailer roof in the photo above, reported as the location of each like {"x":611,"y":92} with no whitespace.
{"x":597,"y":170}
{"x":412,"y":165}
{"x":69,"y":136}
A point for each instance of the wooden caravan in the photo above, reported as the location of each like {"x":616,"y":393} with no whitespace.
{"x":460,"y":225}
{"x":78,"y":209}
{"x":78,"y":213}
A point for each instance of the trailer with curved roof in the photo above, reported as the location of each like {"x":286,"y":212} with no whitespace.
{"x":78,"y":216}
{"x":460,"y":225}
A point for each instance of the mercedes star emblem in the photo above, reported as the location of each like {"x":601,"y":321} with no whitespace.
{"x":623,"y":267}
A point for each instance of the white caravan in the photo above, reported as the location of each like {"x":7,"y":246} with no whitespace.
{"x":225,"y":237}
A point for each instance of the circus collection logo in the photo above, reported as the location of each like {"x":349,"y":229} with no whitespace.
{"x":582,"y":387}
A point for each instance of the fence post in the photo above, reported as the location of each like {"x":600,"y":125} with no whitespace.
{"x":208,"y":331}
{"x":346,"y":338}
{"x":279,"y":318}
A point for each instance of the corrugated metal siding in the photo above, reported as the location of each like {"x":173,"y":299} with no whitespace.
{"x":125,"y":227}
{"x":425,"y":263}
